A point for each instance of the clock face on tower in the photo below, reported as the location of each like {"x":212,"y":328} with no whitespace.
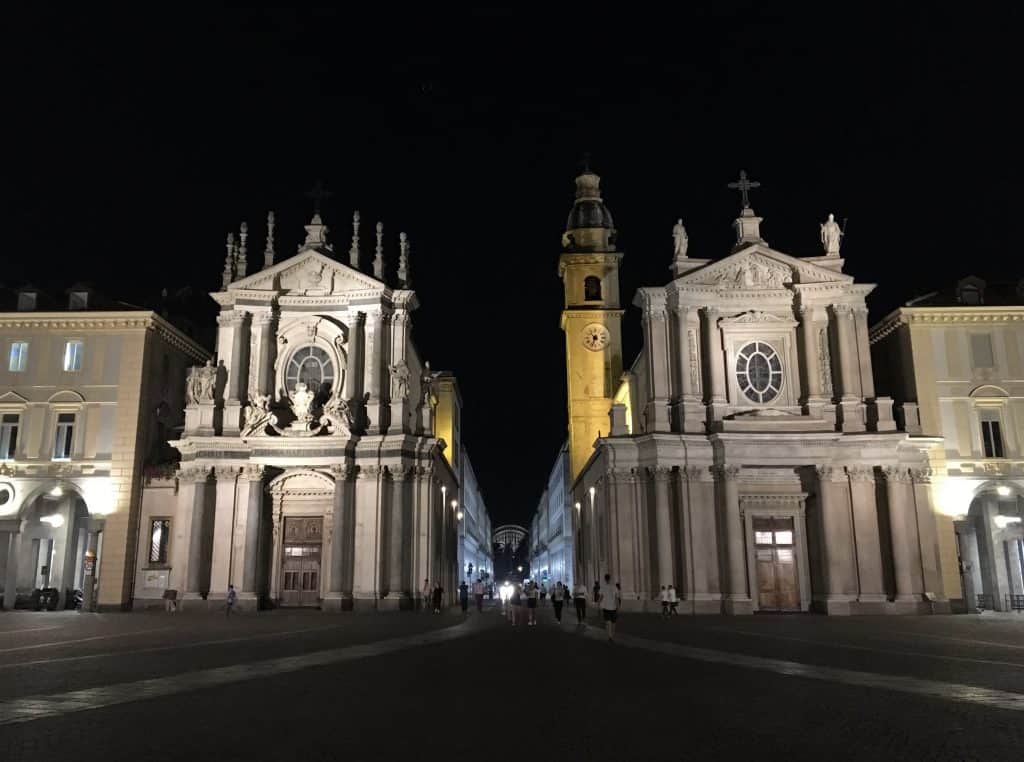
{"x":595,"y":337}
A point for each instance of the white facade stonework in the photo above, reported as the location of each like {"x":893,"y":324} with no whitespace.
{"x":311,"y":473}
{"x":551,"y":538}
{"x":86,"y":399}
{"x":748,"y":461}
{"x":959,"y":359}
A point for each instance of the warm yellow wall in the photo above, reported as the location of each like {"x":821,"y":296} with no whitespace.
{"x":624,"y":397}
{"x":446,"y":419}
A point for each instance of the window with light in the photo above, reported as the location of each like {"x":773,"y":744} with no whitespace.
{"x":73,"y":356}
{"x":314,"y":367}
{"x":18,"y":358}
{"x":759,"y":372}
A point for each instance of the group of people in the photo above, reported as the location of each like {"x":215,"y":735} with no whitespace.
{"x":433,"y":596}
{"x":669,"y":601}
{"x":530,"y":595}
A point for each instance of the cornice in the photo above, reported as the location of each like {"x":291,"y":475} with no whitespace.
{"x":944,"y":315}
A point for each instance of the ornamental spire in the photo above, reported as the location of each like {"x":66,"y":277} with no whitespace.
{"x":268,"y":252}
{"x":404,"y":279}
{"x":242,"y":265}
{"x":229,"y":261}
{"x":378,"y":260}
{"x":353,"y":250}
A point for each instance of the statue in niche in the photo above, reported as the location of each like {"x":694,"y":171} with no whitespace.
{"x":201,"y":383}
{"x":257,"y":415}
{"x":301,"y":400}
{"x":399,"y":380}
{"x":831,"y":236}
{"x":680,"y":241}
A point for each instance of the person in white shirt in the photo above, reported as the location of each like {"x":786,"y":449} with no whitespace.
{"x":673,"y":601}
{"x":663,"y":597}
{"x":610,"y":597}
{"x":478,"y":593}
{"x":428,"y":594}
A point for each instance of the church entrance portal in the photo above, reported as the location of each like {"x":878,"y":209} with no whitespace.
{"x":300,"y":562}
{"x":778,"y":587}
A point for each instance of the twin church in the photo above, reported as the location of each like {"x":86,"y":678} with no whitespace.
{"x":744,"y":457}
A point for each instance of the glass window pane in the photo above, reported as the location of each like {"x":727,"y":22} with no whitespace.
{"x":784,"y":538}
{"x":763,"y":538}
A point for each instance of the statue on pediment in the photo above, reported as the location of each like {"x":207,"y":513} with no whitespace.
{"x":257,"y":415}
{"x":399,"y":380}
{"x":301,"y":400}
{"x":680,"y":241}
{"x":831,"y":236}
{"x":201,"y":383}
{"x":337,"y":415}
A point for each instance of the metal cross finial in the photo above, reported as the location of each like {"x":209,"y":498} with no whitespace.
{"x":743,"y":185}
{"x":318,"y":194}
{"x":585,"y":162}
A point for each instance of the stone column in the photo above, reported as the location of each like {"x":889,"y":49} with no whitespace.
{"x":867,"y":382}
{"x":658,"y":366}
{"x":232,"y":346}
{"x":906,"y":550}
{"x":248,"y":531}
{"x":366,"y":583}
{"x":356,"y":358}
{"x":187,"y":549}
{"x":690,"y":408}
{"x":11,"y":572}
{"x":849,"y":370}
{"x":276,"y":544}
{"x":663,"y":519}
{"x":397,"y":584}
{"x":373,"y":382}
{"x":91,"y":575}
{"x":400,"y":400}
{"x":261,"y":359}
{"x":738,"y":599}
{"x":866,"y":536}
{"x":715,"y":358}
{"x":336,"y":570}
{"x":928,"y":539}
{"x":225,"y":511}
{"x":809,"y":336}
{"x":837,"y":537}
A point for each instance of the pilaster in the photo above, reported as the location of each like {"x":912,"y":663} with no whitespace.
{"x":663,"y":523}
{"x":366,"y":584}
{"x":870,"y":576}
{"x":737,"y":600}
{"x":703,"y":586}
{"x":906,"y":548}
{"x":223,"y":531}
{"x":850,"y":404}
{"x":837,"y":534}
{"x":690,"y":413}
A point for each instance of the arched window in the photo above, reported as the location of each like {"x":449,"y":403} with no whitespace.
{"x":313,"y":367}
{"x":592,"y":288}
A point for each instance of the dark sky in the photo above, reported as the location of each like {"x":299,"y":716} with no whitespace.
{"x":136,"y":140}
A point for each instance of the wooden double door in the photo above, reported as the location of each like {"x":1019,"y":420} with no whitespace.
{"x":778,"y":586}
{"x":300,"y":561}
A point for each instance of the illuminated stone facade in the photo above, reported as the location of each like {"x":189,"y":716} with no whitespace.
{"x":746,"y":459}
{"x":958,"y":358}
{"x":311,"y":473}
{"x":551,"y":538}
{"x":87,"y":397}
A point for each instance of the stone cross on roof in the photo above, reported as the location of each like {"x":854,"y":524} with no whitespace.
{"x":318,"y":194}
{"x":743,"y":185}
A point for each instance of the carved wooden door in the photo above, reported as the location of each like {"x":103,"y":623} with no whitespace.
{"x":778,"y":588}
{"x":300,"y":565}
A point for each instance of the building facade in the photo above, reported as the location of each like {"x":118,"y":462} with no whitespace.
{"x":87,"y":398}
{"x":476,"y":558}
{"x":746,"y":458}
{"x":311,"y":472}
{"x":551,"y":537}
{"x":958,"y":358}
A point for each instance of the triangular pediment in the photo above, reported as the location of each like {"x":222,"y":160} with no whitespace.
{"x":758,"y":266}
{"x":12,"y":398}
{"x":308,"y":272}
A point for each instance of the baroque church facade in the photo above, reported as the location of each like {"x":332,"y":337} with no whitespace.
{"x":313,"y":471}
{"x":744,"y":457}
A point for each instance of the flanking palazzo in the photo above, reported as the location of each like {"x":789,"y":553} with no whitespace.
{"x":744,"y":457}
{"x":311,"y":473}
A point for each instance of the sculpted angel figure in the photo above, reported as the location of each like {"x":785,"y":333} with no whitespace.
{"x":257,"y":415}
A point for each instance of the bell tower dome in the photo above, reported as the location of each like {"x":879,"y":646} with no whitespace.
{"x":591,"y":317}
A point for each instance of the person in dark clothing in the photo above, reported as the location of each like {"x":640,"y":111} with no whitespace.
{"x":597,"y":591}
{"x":580,"y":599}
{"x":438,"y":597}
{"x":557,"y":599}
{"x":464,"y":596}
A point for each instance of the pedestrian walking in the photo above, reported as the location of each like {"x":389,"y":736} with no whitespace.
{"x":597,"y":591}
{"x":663,"y":597}
{"x":478,"y":594}
{"x":517,"y":604}
{"x":438,"y":596}
{"x":543,"y":593}
{"x":428,"y":594}
{"x":673,"y":601}
{"x":232,"y":597}
{"x":580,"y":599}
{"x":557,"y":600}
{"x":610,"y":599}
{"x":531,"y":604}
{"x":464,"y":597}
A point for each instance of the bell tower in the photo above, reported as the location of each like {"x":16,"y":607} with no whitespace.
{"x":591,"y":318}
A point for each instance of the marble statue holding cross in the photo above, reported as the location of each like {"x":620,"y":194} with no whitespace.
{"x":831,"y":236}
{"x":680,"y":241}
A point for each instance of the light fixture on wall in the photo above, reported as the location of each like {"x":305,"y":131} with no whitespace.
{"x":56,"y":520}
{"x":1003,"y":491}
{"x":459,"y":515}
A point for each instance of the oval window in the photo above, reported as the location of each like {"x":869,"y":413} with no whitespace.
{"x":759,"y":372}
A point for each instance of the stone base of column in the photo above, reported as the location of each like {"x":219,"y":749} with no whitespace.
{"x":372,"y":411}
{"x":737,"y":606}
{"x":394,"y":602}
{"x":364,"y":603}
{"x":333,"y":602}
{"x":852,"y":415}
{"x":691,"y":416}
{"x":714,"y":413}
{"x":232,"y":416}
{"x":657,"y":414}
{"x":909,"y":604}
{"x":837,"y":605}
{"x":707,"y":603}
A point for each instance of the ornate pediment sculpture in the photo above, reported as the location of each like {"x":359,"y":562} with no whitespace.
{"x":258,"y":416}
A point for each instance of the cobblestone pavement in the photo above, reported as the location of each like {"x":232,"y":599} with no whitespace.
{"x":314,"y":686}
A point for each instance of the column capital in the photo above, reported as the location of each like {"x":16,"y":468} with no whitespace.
{"x":232,"y":317}
{"x":861,"y":474}
{"x":226,"y":471}
{"x":829,"y":473}
{"x":368,"y":472}
{"x":254,"y":472}
{"x":697,"y":473}
{"x":263,"y":318}
{"x":727,"y":473}
{"x":400,"y":473}
{"x":922,"y":475}
{"x":660,"y":473}
{"x":896,"y":474}
{"x":343,"y":472}
{"x":194,"y":475}
{"x":842,"y":310}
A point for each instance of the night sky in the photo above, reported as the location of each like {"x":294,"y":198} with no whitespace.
{"x":135,"y":141}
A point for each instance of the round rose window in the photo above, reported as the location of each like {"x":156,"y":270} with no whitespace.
{"x":759,"y":372}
